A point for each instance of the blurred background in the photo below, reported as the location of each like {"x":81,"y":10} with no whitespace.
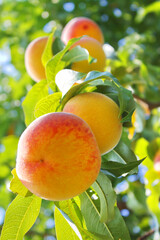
{"x":132,"y":34}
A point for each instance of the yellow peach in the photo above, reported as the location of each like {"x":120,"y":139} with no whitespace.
{"x":96,"y":51}
{"x":102,"y":115}
{"x":33,"y":55}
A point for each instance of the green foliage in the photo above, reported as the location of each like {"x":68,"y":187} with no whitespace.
{"x":115,"y":229}
{"x":132,"y":29}
{"x":152,"y":183}
{"x":20,"y":216}
{"x":48,"y":104}
{"x":63,"y":227}
{"x":120,"y":160}
{"x":47,"y":53}
{"x":103,"y":188}
{"x":106,"y":80}
{"x":153,"y":7}
{"x":17,"y":187}
{"x":54,"y":65}
{"x":38,"y":91}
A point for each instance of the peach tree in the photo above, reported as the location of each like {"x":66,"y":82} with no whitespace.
{"x":94,"y":213}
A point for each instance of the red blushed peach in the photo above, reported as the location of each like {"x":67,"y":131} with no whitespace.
{"x":80,"y":26}
{"x":58,"y":157}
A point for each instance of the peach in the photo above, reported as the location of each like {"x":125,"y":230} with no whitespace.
{"x":58,"y":156}
{"x":157,"y":161}
{"x":102,"y":115}
{"x":33,"y":57}
{"x":80,"y":26}
{"x":95,"y":50}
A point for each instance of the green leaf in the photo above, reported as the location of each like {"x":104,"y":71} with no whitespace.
{"x":16,"y":186}
{"x":107,"y":196}
{"x":114,"y":230}
{"x":118,"y":169}
{"x":124,"y":96}
{"x":118,"y":227}
{"x":56,"y":64}
{"x":65,"y":229}
{"x":92,"y":217}
{"x":57,"y":45}
{"x":152,"y":182}
{"x":120,"y":160}
{"x":127,"y":104}
{"x":47,"y":53}
{"x":48,"y":104}
{"x":77,"y":54}
{"x":121,"y":153}
{"x":20,"y":216}
{"x":95,"y":78}
{"x":71,"y":208}
{"x":38,"y":91}
{"x":153,"y":7}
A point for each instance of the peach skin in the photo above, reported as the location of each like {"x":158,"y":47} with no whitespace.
{"x":33,"y":61}
{"x":58,"y":156}
{"x":102,"y":115}
{"x":80,"y":26}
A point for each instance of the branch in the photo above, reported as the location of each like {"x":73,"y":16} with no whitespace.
{"x":150,"y":104}
{"x":146,"y":235}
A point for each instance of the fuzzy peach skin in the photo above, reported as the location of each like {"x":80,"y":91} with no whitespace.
{"x":80,"y":26}
{"x":102,"y":115}
{"x":95,"y":50}
{"x":157,"y":161}
{"x":58,"y":156}
{"x":33,"y":61}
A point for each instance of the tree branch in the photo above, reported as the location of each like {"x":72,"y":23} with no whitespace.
{"x":150,"y":104}
{"x":146,"y":235}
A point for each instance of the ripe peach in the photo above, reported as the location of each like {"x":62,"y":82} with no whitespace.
{"x":157,"y":161}
{"x":95,"y":50}
{"x":58,"y":156}
{"x":33,"y":61}
{"x":80,"y":26}
{"x":102,"y":115}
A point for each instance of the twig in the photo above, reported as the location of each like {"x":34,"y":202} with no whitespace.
{"x":146,"y":235}
{"x":150,"y":104}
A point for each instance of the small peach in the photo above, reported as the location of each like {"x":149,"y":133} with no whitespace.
{"x":102,"y":115}
{"x":33,"y":60}
{"x":80,"y":26}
